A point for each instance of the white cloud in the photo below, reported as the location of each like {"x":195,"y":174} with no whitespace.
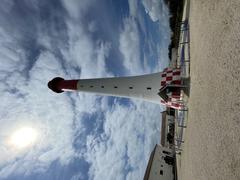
{"x":129,"y":132}
{"x":76,"y":8}
{"x":39,"y":109}
{"x":92,"y":26}
{"x":130,"y":47}
{"x":28,"y":102}
{"x":86,"y":54}
{"x":78,"y":176}
{"x":133,"y":7}
{"x":157,"y":10}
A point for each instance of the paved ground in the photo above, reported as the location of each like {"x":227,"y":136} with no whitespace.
{"x":212,"y":143}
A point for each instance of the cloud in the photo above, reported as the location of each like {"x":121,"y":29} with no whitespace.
{"x":130,"y":47}
{"x":76,"y":8}
{"x":151,"y":36}
{"x":129,"y":133}
{"x":78,"y":177}
{"x":26,"y":98}
{"x":157,"y":10}
{"x":31,"y":104}
{"x":133,"y":7}
{"x":41,"y":40}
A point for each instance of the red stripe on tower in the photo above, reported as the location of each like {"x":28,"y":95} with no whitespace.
{"x":169,"y":78}
{"x":163,"y":83}
{"x":178,"y":82}
{"x":68,"y":84}
{"x":176,"y":73}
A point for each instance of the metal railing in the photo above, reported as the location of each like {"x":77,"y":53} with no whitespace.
{"x":183,"y":62}
{"x":180,"y":126}
{"x":183,"y":56}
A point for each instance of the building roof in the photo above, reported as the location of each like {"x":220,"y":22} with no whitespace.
{"x":149,"y":166}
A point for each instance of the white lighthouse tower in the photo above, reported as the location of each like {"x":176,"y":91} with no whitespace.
{"x":162,"y":87}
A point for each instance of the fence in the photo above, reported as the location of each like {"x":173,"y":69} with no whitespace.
{"x":183,"y":62}
{"x":183,"y":56}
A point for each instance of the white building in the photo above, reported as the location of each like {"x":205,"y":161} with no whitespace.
{"x":160,"y":165}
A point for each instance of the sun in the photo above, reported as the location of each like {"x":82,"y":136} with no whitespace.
{"x":23,"y":137}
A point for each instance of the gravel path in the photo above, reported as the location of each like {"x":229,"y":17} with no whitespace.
{"x":212,"y":144}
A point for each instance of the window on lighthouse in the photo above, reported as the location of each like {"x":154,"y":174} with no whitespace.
{"x":149,"y":88}
{"x":115,"y":87}
{"x":161,"y":172}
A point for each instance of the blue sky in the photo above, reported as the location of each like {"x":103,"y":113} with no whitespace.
{"x":80,"y":136}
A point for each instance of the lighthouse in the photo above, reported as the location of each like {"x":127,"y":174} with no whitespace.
{"x":163,"y":87}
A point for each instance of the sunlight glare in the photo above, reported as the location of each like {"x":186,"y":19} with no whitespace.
{"x":23,"y":137}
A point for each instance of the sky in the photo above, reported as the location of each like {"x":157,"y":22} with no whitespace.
{"x":80,"y":136}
